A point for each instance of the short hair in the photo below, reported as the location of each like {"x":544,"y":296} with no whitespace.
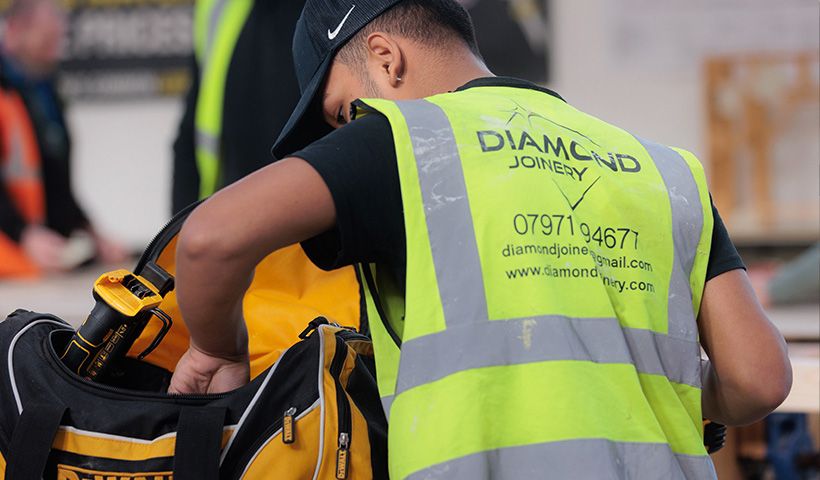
{"x":429,"y":22}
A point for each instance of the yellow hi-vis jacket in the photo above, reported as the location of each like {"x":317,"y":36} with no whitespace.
{"x":555,"y":267}
{"x":217,"y":25}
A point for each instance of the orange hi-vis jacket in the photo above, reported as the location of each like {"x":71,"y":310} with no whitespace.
{"x":20,"y":175}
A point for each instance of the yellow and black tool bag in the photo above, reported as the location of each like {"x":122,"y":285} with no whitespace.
{"x":315,"y":414}
{"x":91,"y":404}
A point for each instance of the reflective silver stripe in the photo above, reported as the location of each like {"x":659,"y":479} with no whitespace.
{"x":387,"y":403}
{"x":687,"y":224}
{"x":15,"y":167}
{"x":583,"y":459}
{"x":207,"y":142}
{"x":547,"y":338}
{"x":210,"y":35}
{"x":447,"y":209}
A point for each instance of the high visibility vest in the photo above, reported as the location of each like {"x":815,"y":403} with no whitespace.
{"x":555,"y":267}
{"x":21,"y":177}
{"x":217,"y":25}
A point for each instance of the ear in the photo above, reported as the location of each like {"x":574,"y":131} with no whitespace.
{"x":387,"y":58}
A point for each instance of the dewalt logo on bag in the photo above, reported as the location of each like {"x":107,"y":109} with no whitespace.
{"x":65,"y":472}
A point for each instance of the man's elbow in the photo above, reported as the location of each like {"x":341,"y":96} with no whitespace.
{"x":773,"y":388}
{"x":765,"y":389}
{"x":200,"y":241}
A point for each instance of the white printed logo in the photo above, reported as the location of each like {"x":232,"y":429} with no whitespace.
{"x":332,"y":35}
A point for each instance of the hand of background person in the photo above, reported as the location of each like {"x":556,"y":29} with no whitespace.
{"x":44,"y":246}
{"x":109,"y":250}
{"x":198,"y":373}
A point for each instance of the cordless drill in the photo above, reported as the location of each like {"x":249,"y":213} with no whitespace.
{"x":126,"y":302}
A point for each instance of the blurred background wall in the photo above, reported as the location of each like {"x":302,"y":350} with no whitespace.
{"x":637,"y":63}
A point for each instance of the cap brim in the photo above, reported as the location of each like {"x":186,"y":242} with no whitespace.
{"x":304,"y":125}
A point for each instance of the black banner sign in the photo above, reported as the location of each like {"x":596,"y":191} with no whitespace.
{"x":126,"y":48}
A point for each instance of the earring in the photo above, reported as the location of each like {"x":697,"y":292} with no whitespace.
{"x":398,"y":79}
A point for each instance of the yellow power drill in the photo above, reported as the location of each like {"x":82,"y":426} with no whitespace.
{"x":126,"y":302}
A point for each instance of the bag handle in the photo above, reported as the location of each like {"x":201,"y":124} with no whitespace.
{"x":32,"y":439}
{"x":199,"y":443}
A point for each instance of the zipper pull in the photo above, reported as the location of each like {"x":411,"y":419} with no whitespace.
{"x":288,"y":430}
{"x":341,"y":456}
{"x":313,"y":325}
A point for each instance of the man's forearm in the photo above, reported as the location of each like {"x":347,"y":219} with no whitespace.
{"x":749,"y":374}
{"x":225,"y":237}
{"x":210,"y":289}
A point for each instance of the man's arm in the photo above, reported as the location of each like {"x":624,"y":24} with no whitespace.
{"x":750,"y":373}
{"x":220,"y":245}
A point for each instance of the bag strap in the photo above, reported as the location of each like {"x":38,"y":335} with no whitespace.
{"x":374,"y":292}
{"x":199,"y":442}
{"x":31,"y":441}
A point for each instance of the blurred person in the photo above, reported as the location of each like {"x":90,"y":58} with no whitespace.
{"x":522,"y":338}
{"x":22,"y":200}
{"x":52,"y":238}
{"x":242,"y":92}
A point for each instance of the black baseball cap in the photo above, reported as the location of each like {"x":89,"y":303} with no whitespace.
{"x":323,"y":28}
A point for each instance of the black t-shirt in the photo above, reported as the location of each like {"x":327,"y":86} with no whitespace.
{"x":358,"y":164}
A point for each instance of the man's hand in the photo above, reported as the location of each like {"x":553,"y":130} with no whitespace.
{"x":198,"y":372}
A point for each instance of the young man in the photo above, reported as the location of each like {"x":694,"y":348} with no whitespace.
{"x":546,"y":276}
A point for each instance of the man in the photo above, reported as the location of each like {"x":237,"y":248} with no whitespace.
{"x":542,"y":271}
{"x":31,"y":47}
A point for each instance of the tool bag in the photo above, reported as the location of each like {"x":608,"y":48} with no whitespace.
{"x":286,"y":286}
{"x":314,"y":414}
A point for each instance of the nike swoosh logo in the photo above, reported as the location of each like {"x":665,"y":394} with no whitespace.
{"x":332,"y":34}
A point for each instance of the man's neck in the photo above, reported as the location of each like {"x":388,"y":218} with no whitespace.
{"x":454,"y":71}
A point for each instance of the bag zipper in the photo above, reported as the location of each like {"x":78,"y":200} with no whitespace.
{"x":164,"y":236}
{"x":342,"y":452}
{"x":129,"y":394}
{"x":288,"y":426}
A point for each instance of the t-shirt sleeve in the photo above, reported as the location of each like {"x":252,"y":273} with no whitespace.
{"x":723,"y":256}
{"x":358,"y":164}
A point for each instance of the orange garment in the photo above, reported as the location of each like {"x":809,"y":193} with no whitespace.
{"x":21,"y":177}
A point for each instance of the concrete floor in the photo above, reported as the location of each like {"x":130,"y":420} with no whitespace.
{"x":66,"y":296}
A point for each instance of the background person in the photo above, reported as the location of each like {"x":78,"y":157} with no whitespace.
{"x":244,"y":88}
{"x":242,"y":92}
{"x":31,"y":47}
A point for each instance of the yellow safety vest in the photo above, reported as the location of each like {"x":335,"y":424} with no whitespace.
{"x":217,"y":25}
{"x":555,"y":267}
